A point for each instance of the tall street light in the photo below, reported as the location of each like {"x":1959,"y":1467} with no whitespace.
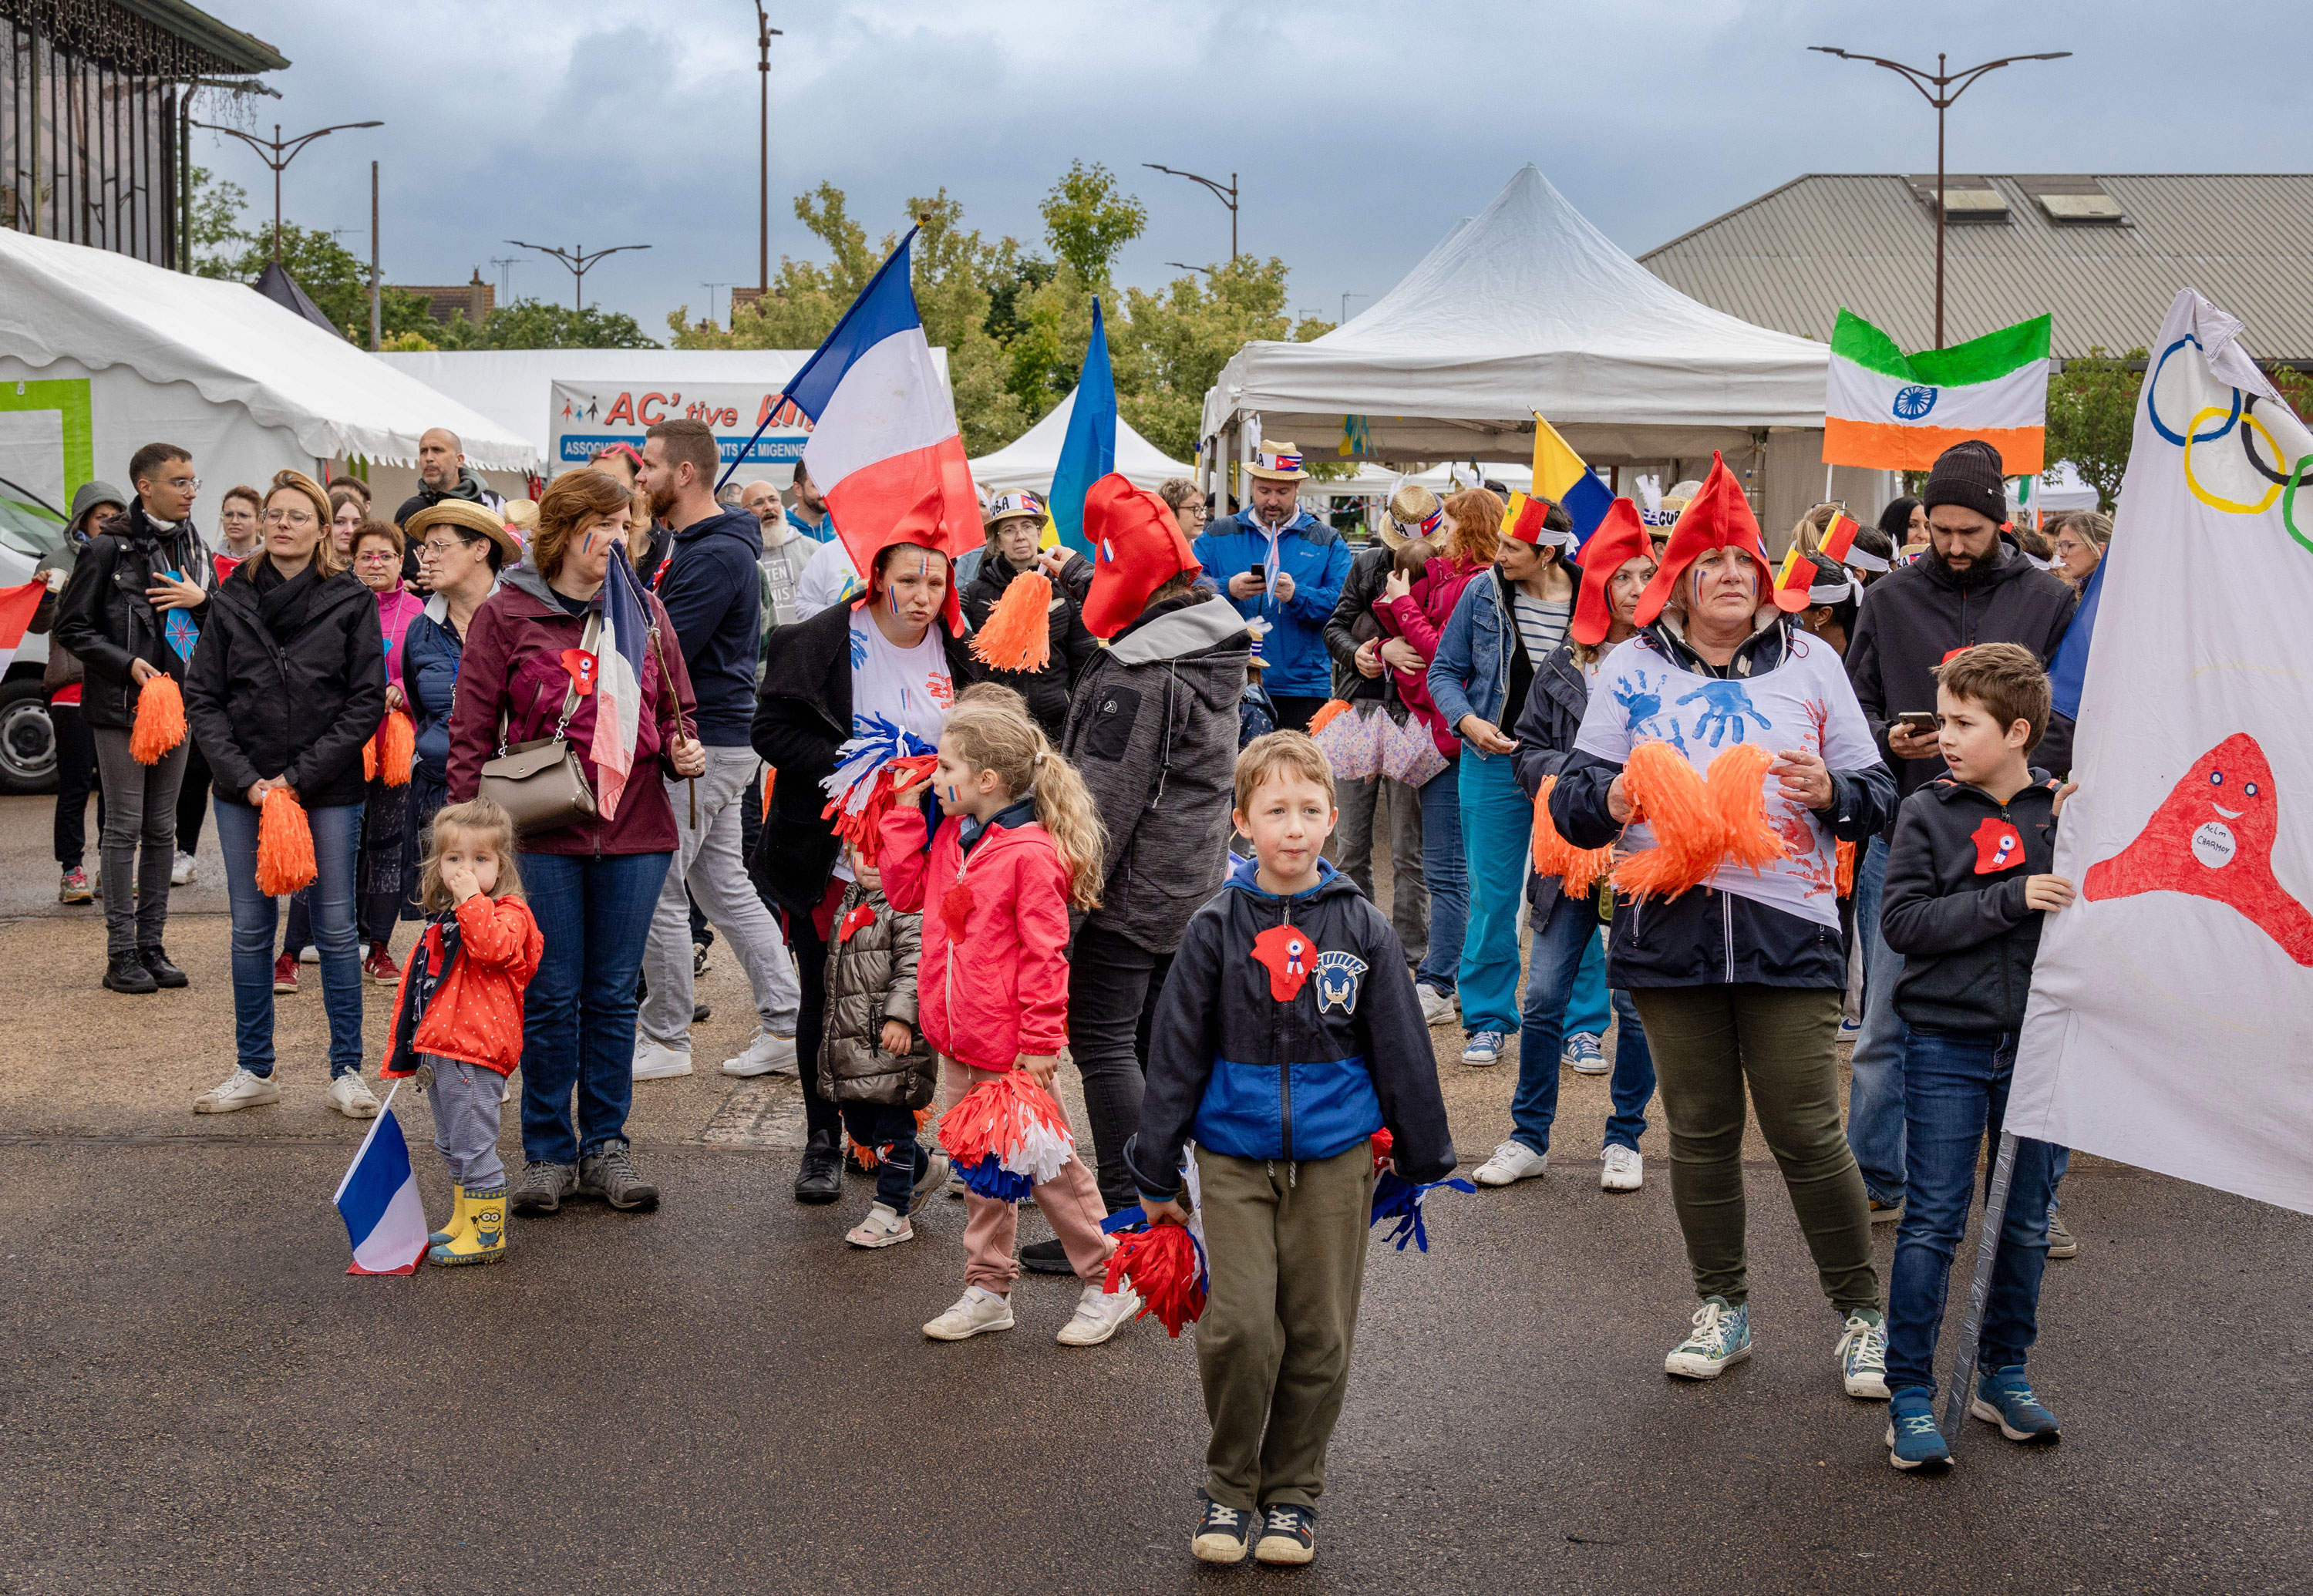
{"x":578,"y":262}
{"x":278,"y":152}
{"x":1226,"y":195}
{"x":765,"y":34}
{"x":1949,"y":86}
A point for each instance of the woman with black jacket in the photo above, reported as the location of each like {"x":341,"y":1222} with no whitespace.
{"x":287,"y":686}
{"x":1014,"y":522}
{"x":132,"y":609}
{"x":899,"y":654}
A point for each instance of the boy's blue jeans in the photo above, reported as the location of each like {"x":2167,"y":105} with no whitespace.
{"x":1561,"y":949}
{"x":1954,"y":1100}
{"x":578,"y":1016}
{"x":336,"y":838}
{"x":1442,"y":873}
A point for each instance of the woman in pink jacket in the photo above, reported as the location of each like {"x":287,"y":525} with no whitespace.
{"x":994,"y":880}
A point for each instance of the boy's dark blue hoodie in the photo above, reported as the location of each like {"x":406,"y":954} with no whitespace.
{"x":1294,"y":1047}
{"x":713,"y":592}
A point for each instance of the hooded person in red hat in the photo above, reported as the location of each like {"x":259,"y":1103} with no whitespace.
{"x":1153,"y":730}
{"x":894,"y":657}
{"x":1739,"y":981}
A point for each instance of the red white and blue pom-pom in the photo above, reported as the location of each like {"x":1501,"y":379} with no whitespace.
{"x":1164,"y":1264}
{"x":1005,"y":1135}
{"x":1397,"y":1199}
{"x":866,"y":769}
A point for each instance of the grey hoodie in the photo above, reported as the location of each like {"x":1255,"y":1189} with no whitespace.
{"x":1153,"y":728}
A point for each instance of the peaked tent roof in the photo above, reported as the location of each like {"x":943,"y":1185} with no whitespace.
{"x":67,"y":302}
{"x":277,"y":286}
{"x":1029,"y":460}
{"x":1526,"y":308}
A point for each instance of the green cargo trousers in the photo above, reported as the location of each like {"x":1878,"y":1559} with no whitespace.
{"x":1285,"y":1248}
{"x":1708,"y":1042}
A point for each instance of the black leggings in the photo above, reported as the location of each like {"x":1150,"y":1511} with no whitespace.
{"x":1114,"y":985}
{"x":810,"y":951}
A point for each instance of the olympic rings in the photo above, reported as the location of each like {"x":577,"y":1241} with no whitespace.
{"x":2248,"y":412}
{"x":2151,"y":391}
{"x":2288,"y":505}
{"x":2230,"y":507}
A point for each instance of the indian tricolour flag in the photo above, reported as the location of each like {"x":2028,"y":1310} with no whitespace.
{"x":1891,"y":411}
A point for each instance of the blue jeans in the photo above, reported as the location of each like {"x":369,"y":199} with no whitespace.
{"x":1586,"y":1011}
{"x":337,"y":838}
{"x":579,"y":1017}
{"x":1442,"y":873}
{"x":1497,"y":833}
{"x":1561,"y":949}
{"x":1955,"y":1098}
{"x":1875,"y":1098}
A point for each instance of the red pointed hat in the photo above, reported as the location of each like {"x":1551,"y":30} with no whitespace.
{"x":925,"y":526}
{"x":1617,"y":540}
{"x":1136,"y":547}
{"x":1716,"y":517}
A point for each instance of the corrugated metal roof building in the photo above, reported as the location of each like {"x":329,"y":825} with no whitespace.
{"x":2105,"y":254}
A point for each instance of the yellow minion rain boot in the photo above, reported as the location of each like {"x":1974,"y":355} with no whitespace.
{"x":460,"y":1221}
{"x":484,"y":1241}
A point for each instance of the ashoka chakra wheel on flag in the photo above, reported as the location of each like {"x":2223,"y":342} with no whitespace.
{"x":1913,"y":402}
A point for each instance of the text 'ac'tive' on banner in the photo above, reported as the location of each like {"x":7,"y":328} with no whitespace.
{"x":587,"y":416}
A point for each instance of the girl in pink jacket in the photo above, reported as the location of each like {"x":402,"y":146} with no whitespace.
{"x":1017,"y":842}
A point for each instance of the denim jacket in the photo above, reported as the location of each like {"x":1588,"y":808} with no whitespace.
{"x":1472,"y":673}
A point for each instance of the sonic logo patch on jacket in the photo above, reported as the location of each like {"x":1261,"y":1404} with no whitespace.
{"x":1288,"y":953}
{"x":1337,"y":974}
{"x":1999,"y":846}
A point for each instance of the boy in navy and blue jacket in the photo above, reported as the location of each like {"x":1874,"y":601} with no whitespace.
{"x":1289,"y":1033}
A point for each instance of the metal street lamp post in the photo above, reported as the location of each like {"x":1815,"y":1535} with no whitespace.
{"x":278,"y":152}
{"x":1950,"y":88}
{"x":765,"y":34}
{"x":578,"y":262}
{"x":1226,"y":195}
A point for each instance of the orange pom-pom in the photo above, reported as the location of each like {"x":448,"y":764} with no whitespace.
{"x":769,"y":777}
{"x":369,"y":759}
{"x":1018,"y":633}
{"x":397,"y":742}
{"x":284,"y":845}
{"x":160,"y":720}
{"x":1845,"y":882}
{"x":1689,"y":835}
{"x":1327,"y":713}
{"x":1736,"y":787}
{"x":1578,"y":867}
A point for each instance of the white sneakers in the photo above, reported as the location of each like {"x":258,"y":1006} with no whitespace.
{"x":765,"y":1056}
{"x":240,"y":1090}
{"x":181,"y":872}
{"x":880,"y":1228}
{"x":1437,"y":1007}
{"x":350,"y":1094}
{"x":1513,"y":1162}
{"x":655,"y":1061}
{"x":1623,"y":1169}
{"x":975,"y":1313}
{"x":1099,"y":1315}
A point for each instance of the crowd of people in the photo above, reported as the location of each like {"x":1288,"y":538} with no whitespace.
{"x":1150,"y":857}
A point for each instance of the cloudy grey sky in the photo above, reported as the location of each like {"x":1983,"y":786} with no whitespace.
{"x":1362,"y":130}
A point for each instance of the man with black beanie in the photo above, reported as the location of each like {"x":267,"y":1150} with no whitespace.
{"x":1973,"y":585}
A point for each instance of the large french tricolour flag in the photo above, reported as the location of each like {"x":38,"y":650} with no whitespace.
{"x":620,"y":661}
{"x":378,"y":1200}
{"x":884,"y":451}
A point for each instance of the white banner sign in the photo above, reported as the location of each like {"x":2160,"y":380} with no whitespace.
{"x":587,"y":416}
{"x":2171,"y":1021}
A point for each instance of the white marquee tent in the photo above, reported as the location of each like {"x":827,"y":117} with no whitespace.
{"x":100,"y":354}
{"x":1029,"y":461}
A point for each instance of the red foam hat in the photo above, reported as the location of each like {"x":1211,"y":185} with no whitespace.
{"x":926,"y":525}
{"x":1137,"y":548}
{"x":1618,"y":539}
{"x":1716,"y":517}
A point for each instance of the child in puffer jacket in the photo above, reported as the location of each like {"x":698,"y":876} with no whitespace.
{"x":994,"y":880}
{"x":873,"y":1063}
{"x":457,"y":1014}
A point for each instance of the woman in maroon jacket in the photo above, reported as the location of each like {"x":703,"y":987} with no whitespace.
{"x":592,"y":884}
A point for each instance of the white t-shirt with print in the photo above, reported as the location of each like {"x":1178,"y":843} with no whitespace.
{"x":909,"y":687}
{"x":1805,"y":703}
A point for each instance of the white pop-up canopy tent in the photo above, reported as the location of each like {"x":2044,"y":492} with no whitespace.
{"x":1527,"y":307}
{"x":100,"y":354}
{"x":1028,"y":462}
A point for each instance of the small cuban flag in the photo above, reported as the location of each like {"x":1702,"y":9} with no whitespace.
{"x":378,"y":1200}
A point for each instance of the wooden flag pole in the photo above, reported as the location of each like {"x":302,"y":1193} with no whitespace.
{"x":667,"y":679}
{"x":1987,"y":1249}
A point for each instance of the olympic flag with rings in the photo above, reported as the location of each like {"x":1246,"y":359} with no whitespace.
{"x":1891,"y":411}
{"x":2171,"y":1018}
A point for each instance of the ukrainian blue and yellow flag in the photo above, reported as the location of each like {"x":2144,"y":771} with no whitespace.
{"x":1561,"y":477}
{"x":1088,"y":449}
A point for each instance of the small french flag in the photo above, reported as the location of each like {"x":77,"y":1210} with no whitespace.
{"x":378,"y":1200}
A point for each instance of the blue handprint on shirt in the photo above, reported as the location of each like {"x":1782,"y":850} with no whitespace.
{"x":1642,"y":702}
{"x":1724,"y":706}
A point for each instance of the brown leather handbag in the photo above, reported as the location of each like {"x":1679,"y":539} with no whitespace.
{"x":542,"y":783}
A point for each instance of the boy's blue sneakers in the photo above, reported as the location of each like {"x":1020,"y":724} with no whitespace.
{"x":1913,"y":1441}
{"x":2003,"y":1397}
{"x":1583,"y":1055}
{"x":1722,"y":1337}
{"x":1485,"y":1047}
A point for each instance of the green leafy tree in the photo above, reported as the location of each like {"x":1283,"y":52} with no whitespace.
{"x":1087,"y":220}
{"x":333,"y":280}
{"x":217,"y":235}
{"x":535,"y":325}
{"x":2092,"y":416}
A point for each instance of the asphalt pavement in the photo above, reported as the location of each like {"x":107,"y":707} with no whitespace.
{"x":720,"y":1396}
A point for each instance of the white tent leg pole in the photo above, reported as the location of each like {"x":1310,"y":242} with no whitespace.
{"x":1987,"y":1249}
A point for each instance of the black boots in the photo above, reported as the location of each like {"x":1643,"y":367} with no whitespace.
{"x":822,"y":1176}
{"x":155,"y":960}
{"x":126,"y":971}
